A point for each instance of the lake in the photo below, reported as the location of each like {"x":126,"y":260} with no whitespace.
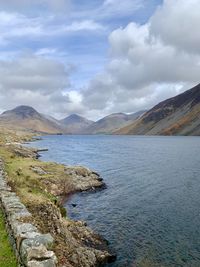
{"x":150,"y":211}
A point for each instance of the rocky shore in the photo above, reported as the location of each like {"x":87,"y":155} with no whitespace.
{"x":42,"y":186}
{"x":31,"y":247}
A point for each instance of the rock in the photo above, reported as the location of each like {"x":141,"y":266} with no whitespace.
{"x":24,"y":152}
{"x":22,"y":229}
{"x":44,"y":263}
{"x":39,"y":252}
{"x":38,"y":170}
{"x":38,"y":244}
{"x":22,"y":214}
{"x":83,"y":179}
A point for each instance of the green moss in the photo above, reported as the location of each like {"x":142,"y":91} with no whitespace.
{"x":7,"y":257}
{"x":63,"y":211}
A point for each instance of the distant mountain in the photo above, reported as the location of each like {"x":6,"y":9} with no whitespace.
{"x":25,"y":117}
{"x":75,"y":124}
{"x":179,"y":115}
{"x":112,"y":122}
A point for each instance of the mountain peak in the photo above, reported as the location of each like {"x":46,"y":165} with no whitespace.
{"x":26,"y":117}
{"x":74,"y":118}
{"x":22,"y":112}
{"x":75,"y":123}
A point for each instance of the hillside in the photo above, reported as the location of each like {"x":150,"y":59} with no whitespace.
{"x":112,"y":122}
{"x":179,"y":115}
{"x":75,"y":124}
{"x":25,"y":117}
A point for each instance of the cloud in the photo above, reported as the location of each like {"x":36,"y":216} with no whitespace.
{"x":140,"y":59}
{"x":108,"y":9}
{"x":176,"y":23}
{"x":15,"y":25}
{"x":85,"y":25}
{"x":149,"y":62}
{"x":33,"y":74}
{"x":36,"y":81}
{"x":120,"y":8}
{"x":53,"y":5}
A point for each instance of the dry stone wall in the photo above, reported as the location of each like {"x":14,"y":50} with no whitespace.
{"x":32,"y":248}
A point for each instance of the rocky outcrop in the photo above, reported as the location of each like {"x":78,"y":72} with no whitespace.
{"x":84,"y":179}
{"x":75,"y":179}
{"x":19,"y":150}
{"x":32,"y":248}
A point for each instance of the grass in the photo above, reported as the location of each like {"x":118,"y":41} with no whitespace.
{"x":7,"y":257}
{"x":34,"y":189}
{"x":39,"y":193}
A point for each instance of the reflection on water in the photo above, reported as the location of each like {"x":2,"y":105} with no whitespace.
{"x":150,"y":211}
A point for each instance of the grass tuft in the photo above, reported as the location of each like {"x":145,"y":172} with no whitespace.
{"x":7,"y":257}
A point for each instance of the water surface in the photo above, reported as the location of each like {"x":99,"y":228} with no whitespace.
{"x":151,"y":208}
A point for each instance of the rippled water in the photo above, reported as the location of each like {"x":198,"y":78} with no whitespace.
{"x":150,"y":211}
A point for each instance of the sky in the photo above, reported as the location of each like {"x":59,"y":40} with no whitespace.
{"x":96,"y":57}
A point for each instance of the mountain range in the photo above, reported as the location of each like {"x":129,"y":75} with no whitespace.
{"x":25,"y":117}
{"x":179,"y":115}
{"x":112,"y":122}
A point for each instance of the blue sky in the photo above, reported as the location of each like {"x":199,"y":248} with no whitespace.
{"x":96,"y":57}
{"x":86,"y":49}
{"x":90,"y":50}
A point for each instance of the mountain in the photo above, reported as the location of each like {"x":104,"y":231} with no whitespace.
{"x":25,"y":117}
{"x":179,"y":115}
{"x":75,"y":124}
{"x":111,"y":123}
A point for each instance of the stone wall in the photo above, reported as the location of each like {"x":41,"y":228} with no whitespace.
{"x":32,"y":248}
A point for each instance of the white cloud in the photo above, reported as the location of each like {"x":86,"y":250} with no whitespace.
{"x":35,"y":81}
{"x":177,"y":23}
{"x":15,"y":25}
{"x":120,"y":8}
{"x":149,"y":62}
{"x":33,"y":74}
{"x":108,"y":9}
{"x":140,"y":59}
{"x":85,"y":25}
{"x":46,"y":51}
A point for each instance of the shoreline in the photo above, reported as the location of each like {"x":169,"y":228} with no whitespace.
{"x":75,"y":243}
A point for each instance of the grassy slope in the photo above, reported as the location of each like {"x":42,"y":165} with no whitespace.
{"x":7,"y":257}
{"x":32,"y":188}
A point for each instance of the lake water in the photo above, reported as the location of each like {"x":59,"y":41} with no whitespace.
{"x":150,"y":212}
